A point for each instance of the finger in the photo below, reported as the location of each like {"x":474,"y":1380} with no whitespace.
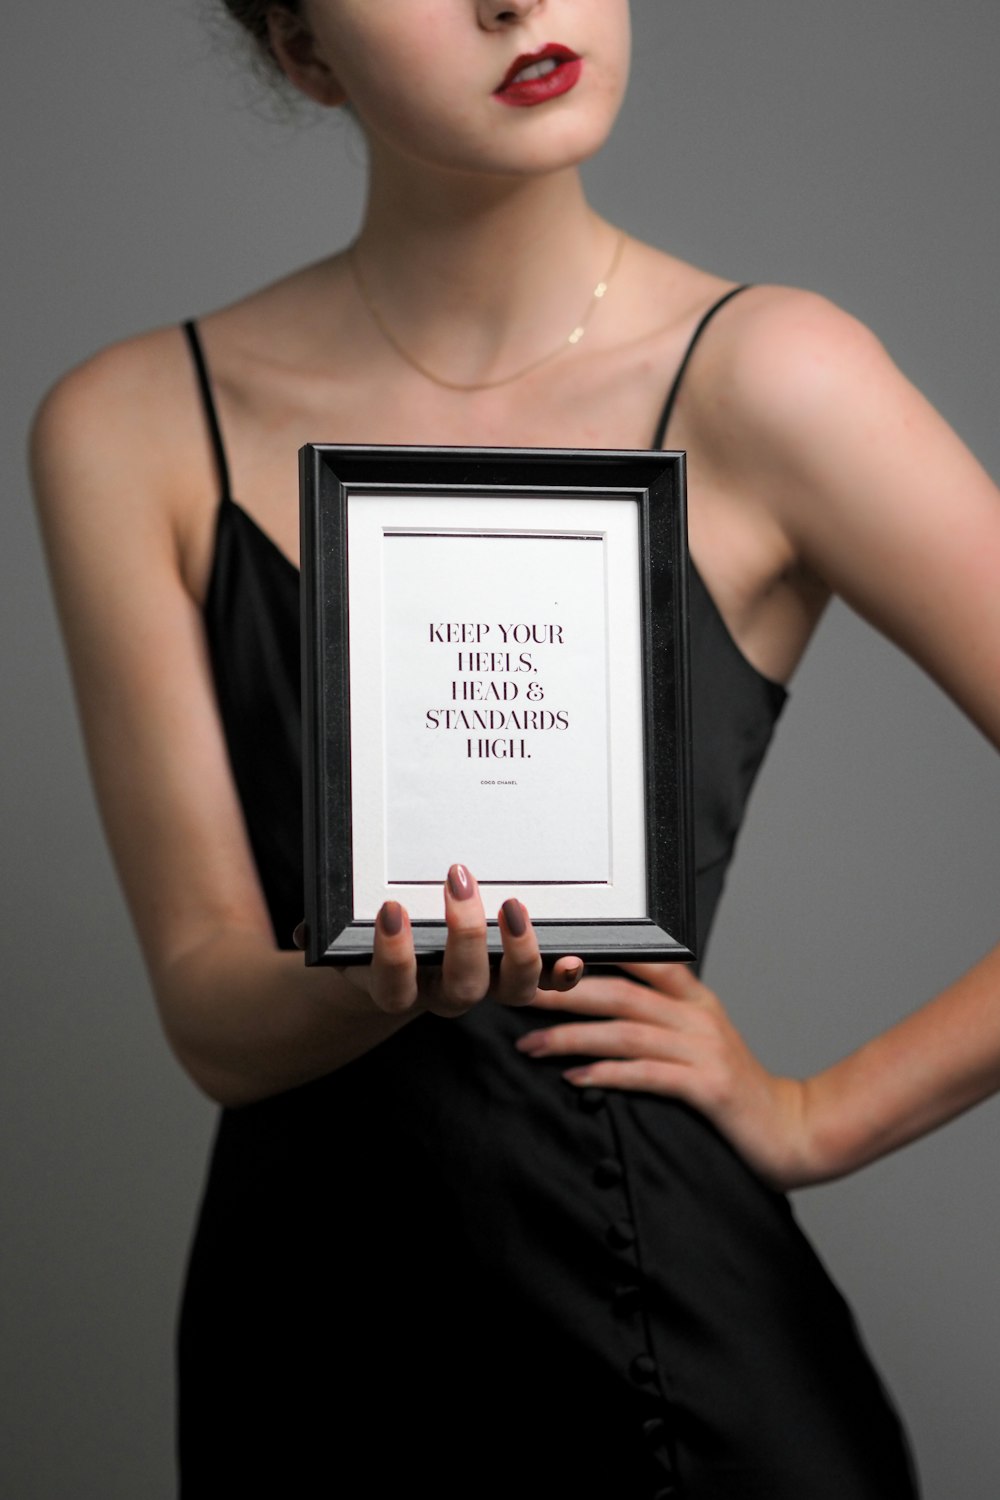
{"x":669,"y":979}
{"x":645,"y":1075}
{"x":563,"y":975}
{"x":394,"y":963}
{"x":521,"y":965}
{"x":595,"y":995}
{"x":465,"y":972}
{"x":609,"y":1039}
{"x":606,"y":996}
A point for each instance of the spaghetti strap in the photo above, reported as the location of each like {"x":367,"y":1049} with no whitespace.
{"x":208,"y":404}
{"x":706,"y":318}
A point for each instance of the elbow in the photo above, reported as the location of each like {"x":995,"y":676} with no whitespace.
{"x":220,"y":1085}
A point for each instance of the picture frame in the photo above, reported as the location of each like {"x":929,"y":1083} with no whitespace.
{"x":495,"y":672}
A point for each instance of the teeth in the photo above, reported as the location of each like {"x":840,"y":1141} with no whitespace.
{"x":537,"y":70}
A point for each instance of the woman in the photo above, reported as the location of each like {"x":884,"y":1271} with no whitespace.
{"x":404,"y":1183}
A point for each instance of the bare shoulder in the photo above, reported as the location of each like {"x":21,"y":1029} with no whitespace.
{"x":798,"y":401}
{"x":121,"y":403}
{"x":772,"y":359}
{"x":782,"y":363}
{"x":118,"y":446}
{"x":806,"y":420}
{"x":123,"y":390}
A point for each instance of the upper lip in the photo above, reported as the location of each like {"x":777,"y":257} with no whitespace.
{"x":554,"y":50}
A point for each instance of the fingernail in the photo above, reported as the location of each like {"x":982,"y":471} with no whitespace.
{"x":390,"y":918}
{"x":573,"y":974}
{"x":513,"y":915}
{"x":531,"y":1043}
{"x":300,"y":936}
{"x":577,"y":1075}
{"x":460,"y":882}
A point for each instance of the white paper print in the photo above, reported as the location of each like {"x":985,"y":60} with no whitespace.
{"x":495,"y":706}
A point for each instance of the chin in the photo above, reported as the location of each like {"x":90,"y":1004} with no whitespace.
{"x":578,"y":147}
{"x":566,"y":142}
{"x":549,"y":139}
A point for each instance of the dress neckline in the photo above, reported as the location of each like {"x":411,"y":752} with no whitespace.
{"x":229,"y":506}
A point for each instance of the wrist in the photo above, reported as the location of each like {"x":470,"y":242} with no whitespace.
{"x":809,"y":1149}
{"x":838,"y":1136}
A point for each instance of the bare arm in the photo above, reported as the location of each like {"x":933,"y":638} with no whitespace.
{"x":878,"y":499}
{"x":884,"y":502}
{"x":109,"y":460}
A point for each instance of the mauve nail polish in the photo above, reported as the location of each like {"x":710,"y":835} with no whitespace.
{"x":460,"y":882}
{"x":390,"y":918}
{"x":513,"y":915}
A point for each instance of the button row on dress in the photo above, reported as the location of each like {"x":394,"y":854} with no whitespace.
{"x":668,"y":1490}
{"x":621,"y":1235}
{"x":643,"y":1369}
{"x":654,"y":1430}
{"x":609,"y":1172}
{"x":626,"y":1299}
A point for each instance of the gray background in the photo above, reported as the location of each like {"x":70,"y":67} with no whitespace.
{"x":851,"y":147}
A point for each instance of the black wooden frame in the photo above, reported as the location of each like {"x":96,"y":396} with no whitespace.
{"x":656,"y":480}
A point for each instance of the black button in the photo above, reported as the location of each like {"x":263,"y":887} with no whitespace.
{"x":592,"y":1099}
{"x":621,"y":1235}
{"x":643,"y":1369}
{"x":626,"y":1298}
{"x":608,"y":1172}
{"x":654,"y":1430}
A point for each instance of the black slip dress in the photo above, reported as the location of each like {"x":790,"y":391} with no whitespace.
{"x":444,"y":1267}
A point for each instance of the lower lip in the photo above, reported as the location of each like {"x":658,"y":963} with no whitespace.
{"x":538,"y":90}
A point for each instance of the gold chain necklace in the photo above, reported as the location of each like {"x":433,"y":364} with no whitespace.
{"x":599,"y":292}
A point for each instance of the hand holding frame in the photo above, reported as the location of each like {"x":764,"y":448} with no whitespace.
{"x":396,"y":985}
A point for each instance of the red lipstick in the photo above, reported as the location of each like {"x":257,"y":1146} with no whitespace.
{"x":551,"y":71}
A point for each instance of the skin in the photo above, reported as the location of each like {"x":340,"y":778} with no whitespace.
{"x":814,"y":467}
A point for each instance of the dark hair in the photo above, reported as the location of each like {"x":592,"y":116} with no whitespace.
{"x":252,"y":16}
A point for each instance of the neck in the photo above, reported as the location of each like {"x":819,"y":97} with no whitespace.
{"x":478,"y":275}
